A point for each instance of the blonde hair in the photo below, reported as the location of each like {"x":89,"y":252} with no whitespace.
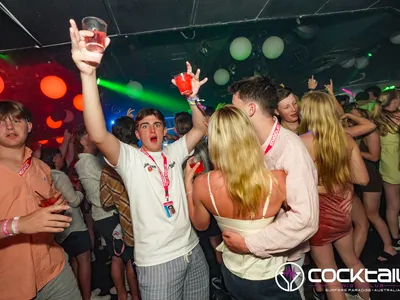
{"x":235,"y":151}
{"x":383,"y":118}
{"x":319,"y":116}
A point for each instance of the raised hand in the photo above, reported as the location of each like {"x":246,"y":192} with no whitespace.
{"x":44,"y":220}
{"x":85,"y":60}
{"x":129,"y":113}
{"x":312,"y":83}
{"x":329,"y":88}
{"x":67,"y":135}
{"x":196,"y":82}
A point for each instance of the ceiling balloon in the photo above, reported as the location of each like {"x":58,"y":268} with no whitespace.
{"x":1,"y":85}
{"x":395,"y":38}
{"x":58,"y":115}
{"x":362,"y":62}
{"x":348,"y":63}
{"x":240,"y":48}
{"x":78,"y":102}
{"x":53,"y":87}
{"x":306,"y":32}
{"x":221,"y":77}
{"x":53,"y":124}
{"x":273,"y":47}
{"x":135,"y":89}
{"x":69,"y":116}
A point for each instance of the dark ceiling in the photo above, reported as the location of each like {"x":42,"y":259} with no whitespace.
{"x":151,"y":40}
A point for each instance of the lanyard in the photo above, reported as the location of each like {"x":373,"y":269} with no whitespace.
{"x":25,"y":166}
{"x":273,"y":138}
{"x":164,"y":176}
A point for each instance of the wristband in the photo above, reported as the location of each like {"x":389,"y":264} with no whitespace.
{"x":192,"y":101}
{"x":5,"y":229}
{"x":14,"y":225}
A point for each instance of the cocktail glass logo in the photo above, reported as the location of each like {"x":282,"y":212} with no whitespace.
{"x":291,"y":273}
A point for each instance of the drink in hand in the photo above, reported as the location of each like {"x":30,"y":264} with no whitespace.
{"x":184,"y":83}
{"x":97,"y":42}
{"x":200,"y":168}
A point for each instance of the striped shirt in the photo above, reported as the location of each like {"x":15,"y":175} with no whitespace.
{"x":113,"y":192}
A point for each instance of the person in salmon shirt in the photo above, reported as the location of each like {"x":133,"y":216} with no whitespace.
{"x":32,"y":264}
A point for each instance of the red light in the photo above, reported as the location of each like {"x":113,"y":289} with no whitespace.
{"x":78,"y":102}
{"x":1,"y":85}
{"x":52,"y":124}
{"x":60,"y":139}
{"x":43,"y":142}
{"x":53,"y":87}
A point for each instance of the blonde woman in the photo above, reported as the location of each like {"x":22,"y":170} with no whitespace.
{"x":339,"y":164}
{"x":244,"y":197}
{"x":386,"y":115}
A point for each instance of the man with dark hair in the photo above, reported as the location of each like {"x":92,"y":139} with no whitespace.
{"x":283,"y":150}
{"x":183,"y":123}
{"x":32,"y":263}
{"x":169,"y":261}
{"x":374,"y":92}
{"x":124,"y":129}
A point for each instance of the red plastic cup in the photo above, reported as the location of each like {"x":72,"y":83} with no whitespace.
{"x":200,"y":168}
{"x":48,"y":202}
{"x":96,"y":43}
{"x":184,"y":83}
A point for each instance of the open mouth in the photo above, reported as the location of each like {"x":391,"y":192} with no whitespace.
{"x":12,"y":135}
{"x":153,"y":139}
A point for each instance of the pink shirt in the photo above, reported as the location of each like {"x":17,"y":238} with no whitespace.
{"x":291,"y":230}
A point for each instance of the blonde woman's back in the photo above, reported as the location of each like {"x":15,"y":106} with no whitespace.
{"x":225,"y":204}
{"x":218,"y":202}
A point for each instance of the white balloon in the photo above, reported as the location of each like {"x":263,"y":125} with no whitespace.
{"x":273,"y":47}
{"x":395,"y":38}
{"x":69,"y":116}
{"x":362,"y":62}
{"x":348,"y":63}
{"x":240,"y":48}
{"x":221,"y":77}
{"x":135,"y":89}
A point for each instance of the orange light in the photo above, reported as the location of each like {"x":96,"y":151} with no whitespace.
{"x":60,"y":139}
{"x":52,"y":124}
{"x":78,"y":102}
{"x":53,"y":87}
{"x":1,"y":85}
{"x":43,"y":142}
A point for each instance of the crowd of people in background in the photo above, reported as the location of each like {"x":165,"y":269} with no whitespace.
{"x":264,"y":181}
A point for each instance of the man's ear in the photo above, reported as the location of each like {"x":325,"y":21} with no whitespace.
{"x":29,"y":127}
{"x":165,"y":131}
{"x":252,"y":109}
{"x":276,"y":112}
{"x":137,"y":135}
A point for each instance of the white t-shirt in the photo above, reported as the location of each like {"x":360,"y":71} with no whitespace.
{"x":158,"y":239}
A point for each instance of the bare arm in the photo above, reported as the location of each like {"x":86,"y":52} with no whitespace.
{"x":93,"y":113}
{"x":363,"y":126}
{"x":359,"y":173}
{"x":329,"y":89}
{"x":199,"y":215}
{"x":199,"y":129}
{"x":42,"y":220}
{"x":374,"y":147}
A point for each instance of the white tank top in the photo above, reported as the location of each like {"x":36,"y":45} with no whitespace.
{"x":247,"y":266}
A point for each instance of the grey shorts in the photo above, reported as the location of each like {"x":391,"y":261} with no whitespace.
{"x":62,"y":287}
